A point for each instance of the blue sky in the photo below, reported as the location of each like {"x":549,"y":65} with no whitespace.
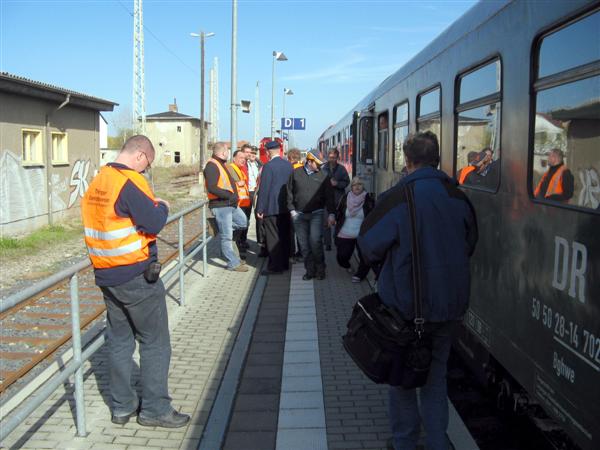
{"x":338,"y":51}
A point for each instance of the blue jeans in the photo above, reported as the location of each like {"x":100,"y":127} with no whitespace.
{"x":309,"y":230}
{"x":137,"y":310}
{"x":404,"y":410}
{"x":228,"y":219}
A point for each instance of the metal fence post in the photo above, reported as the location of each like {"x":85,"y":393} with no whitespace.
{"x":79,"y":397}
{"x":204,"y":238}
{"x":181,"y":264}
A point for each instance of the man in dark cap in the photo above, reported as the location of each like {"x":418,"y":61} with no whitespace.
{"x":309,"y":192}
{"x":271,"y":207}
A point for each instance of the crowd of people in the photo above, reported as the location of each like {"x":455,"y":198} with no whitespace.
{"x":305,"y":204}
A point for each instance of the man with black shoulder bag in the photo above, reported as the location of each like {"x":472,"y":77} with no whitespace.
{"x":422,"y":232}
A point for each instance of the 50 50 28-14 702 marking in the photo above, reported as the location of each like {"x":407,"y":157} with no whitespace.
{"x":568,"y":333}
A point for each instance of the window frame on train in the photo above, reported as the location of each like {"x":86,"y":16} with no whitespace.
{"x":385,"y":131}
{"x":401,"y":124}
{"x":433,"y":115}
{"x":552,"y":82}
{"x":495,"y":98}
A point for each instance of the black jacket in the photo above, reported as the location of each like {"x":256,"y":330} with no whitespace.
{"x":211,"y":177}
{"x":272,"y":195}
{"x":340,"y":212}
{"x":307,"y":193}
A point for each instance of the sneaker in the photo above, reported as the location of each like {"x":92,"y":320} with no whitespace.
{"x":355,"y":279}
{"x":172,"y":419}
{"x":240,"y":268}
{"x":307,"y":276}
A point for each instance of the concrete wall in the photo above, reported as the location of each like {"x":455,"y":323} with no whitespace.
{"x":24,"y":187}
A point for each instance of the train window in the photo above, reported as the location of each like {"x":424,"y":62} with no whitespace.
{"x":366,"y":140}
{"x":428,"y":115}
{"x":565,"y":165}
{"x":400,"y":134}
{"x":480,"y":83}
{"x":478,"y":129}
{"x":382,"y":140}
{"x":563,"y":49}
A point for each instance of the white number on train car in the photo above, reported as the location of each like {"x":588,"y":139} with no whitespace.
{"x":573,"y":257}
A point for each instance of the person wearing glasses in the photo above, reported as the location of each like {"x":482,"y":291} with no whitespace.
{"x":122,"y":218}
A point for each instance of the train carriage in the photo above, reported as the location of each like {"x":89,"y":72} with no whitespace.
{"x":519,"y":79}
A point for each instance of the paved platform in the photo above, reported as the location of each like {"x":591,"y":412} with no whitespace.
{"x":297,"y":389}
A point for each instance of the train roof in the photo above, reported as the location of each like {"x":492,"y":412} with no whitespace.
{"x":475,"y":17}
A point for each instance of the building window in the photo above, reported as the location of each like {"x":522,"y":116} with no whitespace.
{"x":400,"y":134}
{"x":32,"y":147}
{"x":478,"y":129}
{"x":177,"y":157}
{"x":565,"y":148}
{"x":59,"y":148}
{"x":428,"y":112}
{"x":382,"y":140}
{"x":179,"y":128}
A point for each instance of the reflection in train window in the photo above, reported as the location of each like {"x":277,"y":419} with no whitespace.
{"x":566,"y":150}
{"x":566,"y":142}
{"x":428,"y":116}
{"x":400,"y":134}
{"x":478,"y":128}
{"x":382,"y":140}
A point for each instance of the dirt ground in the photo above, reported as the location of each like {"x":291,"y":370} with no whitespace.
{"x":19,"y":273}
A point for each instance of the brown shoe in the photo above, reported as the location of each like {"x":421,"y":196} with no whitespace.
{"x":240,"y":268}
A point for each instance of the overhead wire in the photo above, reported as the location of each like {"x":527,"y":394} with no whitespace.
{"x":159,"y":41}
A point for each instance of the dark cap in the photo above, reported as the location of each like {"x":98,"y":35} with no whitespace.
{"x":272,"y":145}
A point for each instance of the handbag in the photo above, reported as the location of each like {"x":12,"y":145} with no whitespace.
{"x":387,"y":348}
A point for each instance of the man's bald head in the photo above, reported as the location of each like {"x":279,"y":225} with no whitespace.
{"x":221,"y":150}
{"x":138,"y":143}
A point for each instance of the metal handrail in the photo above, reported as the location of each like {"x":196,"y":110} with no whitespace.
{"x":75,"y":366}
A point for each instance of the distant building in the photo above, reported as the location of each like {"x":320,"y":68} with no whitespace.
{"x":176,"y":137}
{"x":49,"y":152}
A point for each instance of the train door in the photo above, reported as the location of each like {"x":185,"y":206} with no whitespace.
{"x":363,"y":158}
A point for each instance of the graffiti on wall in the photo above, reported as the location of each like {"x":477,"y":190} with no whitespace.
{"x":78,"y":181}
{"x":589,"y":196}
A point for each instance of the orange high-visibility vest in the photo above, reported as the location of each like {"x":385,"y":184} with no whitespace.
{"x":222,"y":183}
{"x":112,"y":240}
{"x":242,"y":186}
{"x":464,"y":172}
{"x":555,"y":187}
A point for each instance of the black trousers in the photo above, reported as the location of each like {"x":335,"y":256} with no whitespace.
{"x":278,"y":239}
{"x":244,"y":233}
{"x":344,"y":250}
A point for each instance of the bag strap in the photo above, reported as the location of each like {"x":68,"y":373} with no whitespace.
{"x":416,"y":261}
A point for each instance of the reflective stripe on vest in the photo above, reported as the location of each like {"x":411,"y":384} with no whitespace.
{"x":242,"y":187}
{"x":111,"y":240}
{"x":223,"y":181}
{"x":555,"y":187}
{"x":465,"y":171}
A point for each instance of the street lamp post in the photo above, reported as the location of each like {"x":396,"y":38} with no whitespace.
{"x":286,"y":91}
{"x":202,"y":35}
{"x":277,"y":56}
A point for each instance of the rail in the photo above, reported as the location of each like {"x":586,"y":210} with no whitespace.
{"x":75,"y":366}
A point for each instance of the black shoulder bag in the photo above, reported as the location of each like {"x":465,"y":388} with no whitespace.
{"x":385,"y":347}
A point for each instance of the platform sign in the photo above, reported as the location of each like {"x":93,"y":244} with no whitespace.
{"x":291,"y":123}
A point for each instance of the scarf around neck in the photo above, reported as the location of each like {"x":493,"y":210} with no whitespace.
{"x":355,"y":202}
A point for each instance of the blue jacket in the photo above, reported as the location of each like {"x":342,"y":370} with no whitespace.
{"x":447,"y":232}
{"x":272,"y":194}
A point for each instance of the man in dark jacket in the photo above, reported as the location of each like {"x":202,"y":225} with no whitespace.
{"x":339,"y":179}
{"x":223,"y":202}
{"x":309,"y":191}
{"x":447,"y":234}
{"x":271,"y":207}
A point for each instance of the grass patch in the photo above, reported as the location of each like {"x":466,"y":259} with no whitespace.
{"x":39,"y":240}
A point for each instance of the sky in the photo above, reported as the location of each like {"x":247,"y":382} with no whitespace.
{"x":337,"y":51}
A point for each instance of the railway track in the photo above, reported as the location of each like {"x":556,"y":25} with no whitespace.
{"x":33,"y":330}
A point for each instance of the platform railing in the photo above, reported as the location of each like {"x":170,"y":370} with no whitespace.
{"x":80,"y":356}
